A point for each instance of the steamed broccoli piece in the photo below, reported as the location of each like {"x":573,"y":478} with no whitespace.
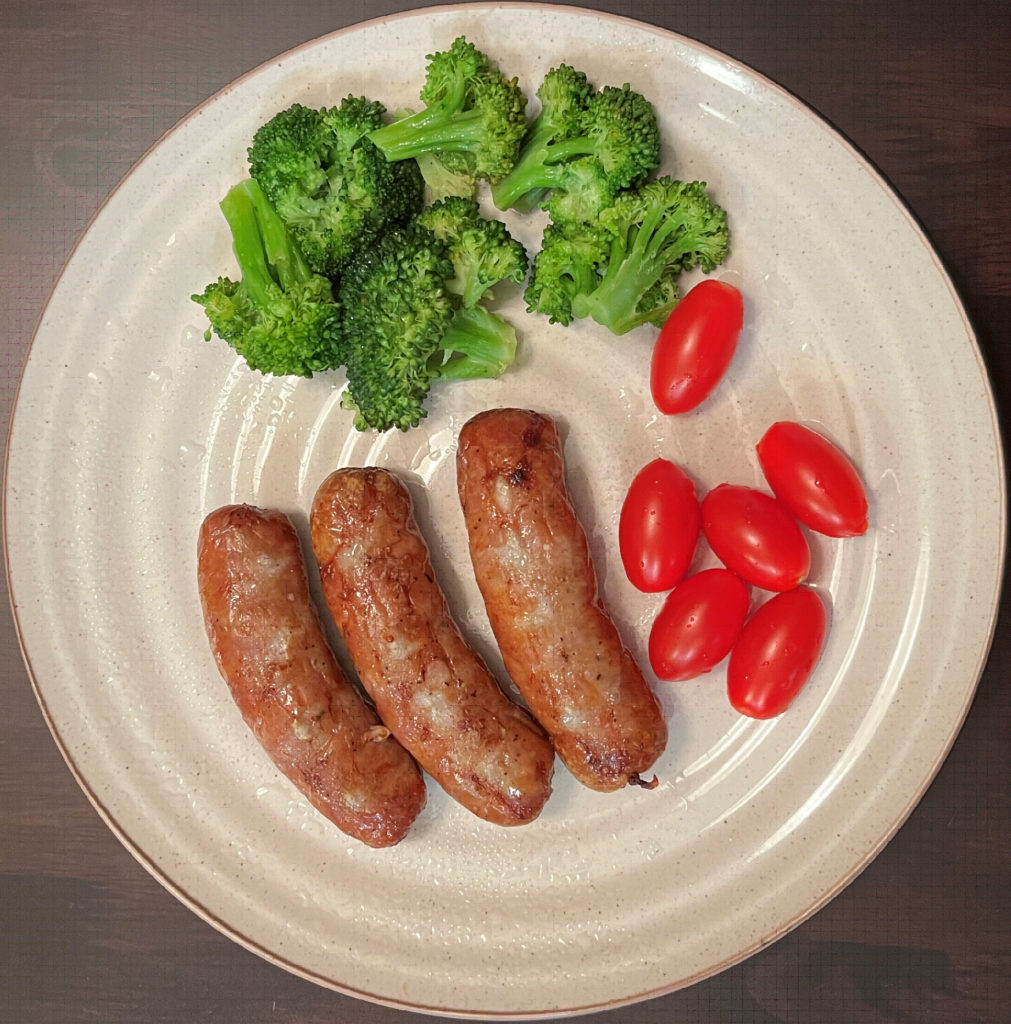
{"x":280,"y":317}
{"x":654,"y":232}
{"x":566,"y":266}
{"x":470,"y":108}
{"x":482,"y":251}
{"x":623,"y":271}
{"x":404,"y":329}
{"x":614,"y":128}
{"x":564,"y":93}
{"x":331,"y":186}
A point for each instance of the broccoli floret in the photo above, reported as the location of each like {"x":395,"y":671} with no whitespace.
{"x":280,"y":317}
{"x":477,"y":343}
{"x":654,"y":232}
{"x":470,"y":108}
{"x":482,"y":251}
{"x":331,"y":186}
{"x":615,"y":128}
{"x":404,"y":329}
{"x":566,"y":266}
{"x":564,"y":93}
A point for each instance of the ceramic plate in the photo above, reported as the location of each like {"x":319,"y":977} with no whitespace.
{"x":130,"y":427}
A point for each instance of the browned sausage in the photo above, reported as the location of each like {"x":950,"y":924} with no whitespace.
{"x":271,"y":650}
{"x":432,"y":690}
{"x":533,"y":567}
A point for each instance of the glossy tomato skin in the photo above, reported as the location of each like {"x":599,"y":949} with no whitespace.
{"x":698,"y":624}
{"x":695,"y":346}
{"x":776,"y":653}
{"x":658,"y":528}
{"x":755,"y":536}
{"x":814,"y":479}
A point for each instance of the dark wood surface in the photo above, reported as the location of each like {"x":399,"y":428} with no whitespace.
{"x":924,"y":89}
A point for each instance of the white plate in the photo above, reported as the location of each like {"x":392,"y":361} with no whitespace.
{"x":129,"y":428}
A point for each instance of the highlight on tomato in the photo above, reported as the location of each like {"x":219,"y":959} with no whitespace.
{"x":776,"y":652}
{"x":696,"y":346}
{"x":755,"y":536}
{"x":658,"y":528}
{"x":814,"y":479}
{"x":698,"y":624}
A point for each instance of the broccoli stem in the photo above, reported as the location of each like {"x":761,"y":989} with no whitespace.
{"x":422,"y":131}
{"x":477,"y":343}
{"x":528,"y":182}
{"x":569,"y":149}
{"x":413,"y":137}
{"x":262,"y":244}
{"x":523,"y":185}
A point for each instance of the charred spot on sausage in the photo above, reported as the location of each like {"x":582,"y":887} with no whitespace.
{"x":520,"y":476}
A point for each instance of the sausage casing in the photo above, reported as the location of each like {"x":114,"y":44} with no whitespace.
{"x":271,"y":650}
{"x":430,"y":687}
{"x":535,"y":573}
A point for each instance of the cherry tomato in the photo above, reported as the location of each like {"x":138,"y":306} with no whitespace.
{"x":776,"y":652}
{"x":755,"y":536}
{"x":695,"y":346}
{"x":658,"y":528}
{"x":698,"y":624}
{"x":814,"y":479}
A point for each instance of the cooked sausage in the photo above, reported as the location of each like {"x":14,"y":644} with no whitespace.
{"x":270,"y":647}
{"x":534,"y":570}
{"x":430,"y":687}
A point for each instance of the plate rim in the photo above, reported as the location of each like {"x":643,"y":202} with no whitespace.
{"x":804,"y":108}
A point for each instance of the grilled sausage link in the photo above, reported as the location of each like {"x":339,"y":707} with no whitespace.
{"x":432,"y":690}
{"x":271,"y":650}
{"x":538,"y":582}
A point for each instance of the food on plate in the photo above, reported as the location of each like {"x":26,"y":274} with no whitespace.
{"x":776,"y":652}
{"x":482,"y":251}
{"x":755,"y":536}
{"x":470,"y":109}
{"x":405,"y":321}
{"x":622,"y":269}
{"x":813,"y":479}
{"x":344,"y":266}
{"x":271,"y":650}
{"x":533,"y":567}
{"x":695,"y":346}
{"x":658,"y":527}
{"x":331,"y":186}
{"x":430,"y":688}
{"x":281,"y":317}
{"x":582,"y":147}
{"x":698,"y":624}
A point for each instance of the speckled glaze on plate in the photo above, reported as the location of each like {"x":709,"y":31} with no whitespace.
{"x":129,"y":428}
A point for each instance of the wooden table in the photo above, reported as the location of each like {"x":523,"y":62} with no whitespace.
{"x":924,"y":89}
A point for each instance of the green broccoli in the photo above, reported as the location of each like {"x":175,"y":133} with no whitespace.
{"x":470,"y":108}
{"x":655,"y":231}
{"x":403,"y":329}
{"x":566,"y":266}
{"x":447,"y":174}
{"x":332,"y":187}
{"x":482,"y":251}
{"x":623,"y":271}
{"x":614,"y":129}
{"x":280,"y":317}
